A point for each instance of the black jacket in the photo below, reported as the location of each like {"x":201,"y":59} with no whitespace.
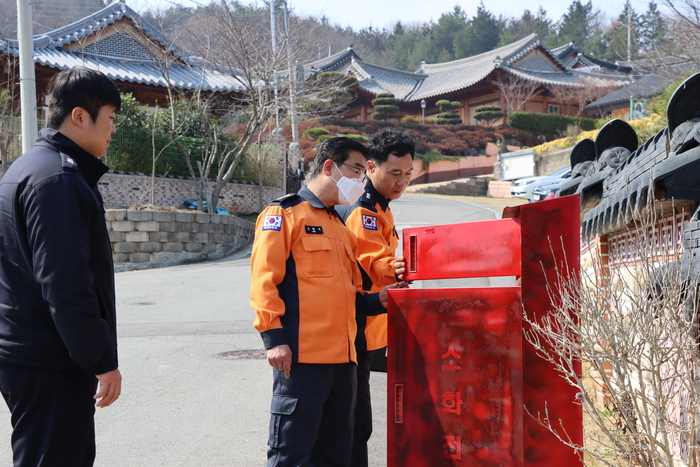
{"x":57,"y":308}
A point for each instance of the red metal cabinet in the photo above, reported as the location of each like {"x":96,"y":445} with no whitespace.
{"x":459,"y":370}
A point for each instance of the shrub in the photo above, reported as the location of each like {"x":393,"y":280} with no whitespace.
{"x":316,"y":105}
{"x":384,"y":106}
{"x":546,"y":123}
{"x":338,"y":79}
{"x":322,"y":138}
{"x":447,"y":106}
{"x":448,"y":118}
{"x":358,"y":138}
{"x":487,"y":108}
{"x":314,"y":133}
{"x":489,"y":117}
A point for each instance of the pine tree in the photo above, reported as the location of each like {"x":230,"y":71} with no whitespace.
{"x":652,"y":31}
{"x":574,"y":26}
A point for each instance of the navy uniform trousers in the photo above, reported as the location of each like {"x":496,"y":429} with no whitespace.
{"x":52,"y":416}
{"x":311,"y":418}
{"x":363,"y":411}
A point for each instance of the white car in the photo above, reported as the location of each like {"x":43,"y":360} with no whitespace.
{"x":522,"y":188}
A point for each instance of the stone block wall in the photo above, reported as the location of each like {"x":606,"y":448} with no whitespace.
{"x":124,"y":190}
{"x":165,"y":237}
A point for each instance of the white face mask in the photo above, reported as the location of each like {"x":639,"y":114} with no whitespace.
{"x":349,"y":189}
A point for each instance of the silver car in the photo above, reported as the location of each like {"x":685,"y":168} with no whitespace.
{"x":522,"y":188}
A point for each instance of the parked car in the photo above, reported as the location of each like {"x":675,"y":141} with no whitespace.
{"x":546,"y":191}
{"x":522,"y":188}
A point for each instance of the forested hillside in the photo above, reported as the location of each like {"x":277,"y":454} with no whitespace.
{"x":454,"y":35}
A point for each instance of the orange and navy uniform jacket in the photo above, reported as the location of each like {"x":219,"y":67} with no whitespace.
{"x":371,"y":220}
{"x":306,"y":284}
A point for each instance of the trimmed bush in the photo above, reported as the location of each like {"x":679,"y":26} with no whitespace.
{"x":322,"y":138}
{"x":487,"y":108}
{"x":489,"y":114}
{"x":448,"y":118}
{"x":386,"y":109}
{"x":547,"y":123}
{"x":380,"y":116}
{"x":314,"y":133}
{"x":358,"y":138}
{"x":384,"y":106}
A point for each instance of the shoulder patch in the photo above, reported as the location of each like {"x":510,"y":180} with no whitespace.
{"x":68,"y":162}
{"x":286,"y":201}
{"x":272,"y":222}
{"x":369,"y":222}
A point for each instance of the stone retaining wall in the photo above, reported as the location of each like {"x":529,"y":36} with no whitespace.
{"x":124,"y":190}
{"x":167,"y":238}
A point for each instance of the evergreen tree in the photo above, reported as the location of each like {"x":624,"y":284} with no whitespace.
{"x":448,"y":26}
{"x":526,"y":25}
{"x":618,"y":42}
{"x":574,"y":26}
{"x":481,"y":35}
{"x":652,"y":30}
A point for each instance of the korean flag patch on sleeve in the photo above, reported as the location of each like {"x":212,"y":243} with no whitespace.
{"x":272,"y":223}
{"x":370,"y":222}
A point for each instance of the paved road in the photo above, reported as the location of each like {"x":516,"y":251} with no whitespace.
{"x":180,"y":405}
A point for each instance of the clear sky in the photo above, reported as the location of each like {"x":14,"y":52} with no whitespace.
{"x":384,"y":13}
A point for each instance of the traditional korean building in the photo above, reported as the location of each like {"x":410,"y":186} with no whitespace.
{"x":120,"y":43}
{"x":472,"y":80}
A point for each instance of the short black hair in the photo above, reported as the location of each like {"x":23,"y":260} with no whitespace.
{"x":336,"y":149}
{"x":79,"y":87}
{"x":389,"y":141}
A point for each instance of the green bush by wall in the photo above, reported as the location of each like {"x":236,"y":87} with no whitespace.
{"x":547,"y":123}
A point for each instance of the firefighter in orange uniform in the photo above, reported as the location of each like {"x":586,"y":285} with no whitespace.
{"x":389,"y":171}
{"x":306,"y":288}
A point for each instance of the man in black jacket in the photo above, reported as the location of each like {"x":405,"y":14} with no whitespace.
{"x":57,"y":306}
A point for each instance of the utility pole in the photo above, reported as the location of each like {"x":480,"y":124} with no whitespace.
{"x":27,"y":80}
{"x":292,"y":77}
{"x":629,"y":31}
{"x":274,"y":61}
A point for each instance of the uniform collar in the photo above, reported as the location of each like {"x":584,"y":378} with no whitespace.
{"x":372,"y":196}
{"x":89,"y":166}
{"x":313,"y":200}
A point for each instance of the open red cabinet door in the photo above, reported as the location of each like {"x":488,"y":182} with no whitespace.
{"x":459,"y":371}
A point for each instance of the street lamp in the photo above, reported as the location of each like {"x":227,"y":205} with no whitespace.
{"x":422,"y":108}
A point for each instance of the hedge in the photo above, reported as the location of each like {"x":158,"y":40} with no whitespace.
{"x":546,"y":123}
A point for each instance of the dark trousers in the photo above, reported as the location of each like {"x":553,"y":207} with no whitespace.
{"x":312,"y":416}
{"x":52,"y":416}
{"x":363,"y":411}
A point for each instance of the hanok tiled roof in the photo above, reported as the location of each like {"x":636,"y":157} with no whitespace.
{"x":572,"y":58}
{"x":438,"y":79}
{"x":331,"y":62}
{"x":651,"y":78}
{"x":376,"y":79}
{"x":645,"y":86}
{"x":185,"y":71}
{"x":627,"y":181}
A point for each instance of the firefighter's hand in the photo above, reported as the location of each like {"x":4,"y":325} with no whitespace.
{"x":280,"y":358}
{"x":400,"y":267}
{"x":384,"y":295}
